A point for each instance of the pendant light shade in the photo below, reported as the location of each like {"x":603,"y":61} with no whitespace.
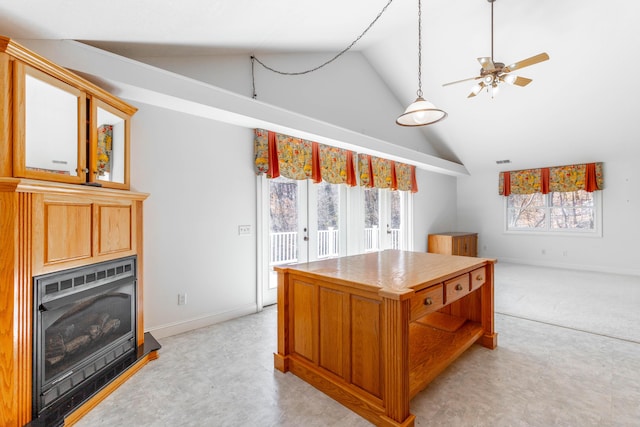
{"x":420,"y":112}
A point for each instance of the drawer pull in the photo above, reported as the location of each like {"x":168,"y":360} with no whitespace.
{"x":458,"y":287}
{"x":428,"y":301}
{"x":479,"y":277}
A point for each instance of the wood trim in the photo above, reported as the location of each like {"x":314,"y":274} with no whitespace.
{"x":18,"y":127}
{"x":56,"y":188}
{"x":34,"y":60}
{"x":24,"y":302}
{"x":137,"y":230}
{"x":6,"y":104}
{"x":395,"y":347}
{"x":16,"y":302}
{"x":8,"y":350}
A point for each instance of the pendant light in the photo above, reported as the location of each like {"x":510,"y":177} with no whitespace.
{"x":420,"y":112}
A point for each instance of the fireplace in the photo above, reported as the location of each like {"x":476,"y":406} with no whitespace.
{"x":84,"y":334}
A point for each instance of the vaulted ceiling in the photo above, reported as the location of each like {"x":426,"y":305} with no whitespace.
{"x":581,"y":106}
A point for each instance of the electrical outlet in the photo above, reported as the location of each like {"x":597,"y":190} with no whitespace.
{"x":182,"y":299}
{"x":244,"y":229}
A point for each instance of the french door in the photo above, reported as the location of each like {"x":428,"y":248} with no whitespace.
{"x":305,"y":222}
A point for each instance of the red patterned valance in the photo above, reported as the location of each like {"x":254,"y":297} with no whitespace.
{"x":587,"y":177}
{"x":296,"y":158}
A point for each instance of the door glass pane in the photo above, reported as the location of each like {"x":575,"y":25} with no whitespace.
{"x":328,"y":197}
{"x":395,"y":226}
{"x":371,"y":219}
{"x":110,"y":150}
{"x":283,"y":221}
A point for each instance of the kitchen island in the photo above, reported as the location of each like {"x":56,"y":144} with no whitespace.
{"x":373,"y":330}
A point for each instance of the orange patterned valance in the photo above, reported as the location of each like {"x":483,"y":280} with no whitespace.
{"x":382,"y":173}
{"x":587,"y":177}
{"x":295,"y":158}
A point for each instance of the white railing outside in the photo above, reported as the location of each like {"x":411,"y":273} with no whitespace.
{"x":395,"y":238}
{"x":372,"y":239}
{"x":328,"y":243}
{"x":284,"y":247}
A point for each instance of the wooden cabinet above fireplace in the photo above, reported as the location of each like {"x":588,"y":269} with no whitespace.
{"x":57,"y":126}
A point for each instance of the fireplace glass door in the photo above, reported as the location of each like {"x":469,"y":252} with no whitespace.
{"x":84,"y":324}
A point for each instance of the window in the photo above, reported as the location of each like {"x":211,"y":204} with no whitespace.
{"x":571,"y":212}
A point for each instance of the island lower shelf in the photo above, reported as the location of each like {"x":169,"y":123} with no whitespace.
{"x":435,"y":344}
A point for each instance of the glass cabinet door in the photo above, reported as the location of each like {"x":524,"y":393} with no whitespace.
{"x":49,"y":127}
{"x":109,"y":148}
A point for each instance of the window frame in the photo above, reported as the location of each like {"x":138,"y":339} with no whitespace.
{"x":547,"y":231}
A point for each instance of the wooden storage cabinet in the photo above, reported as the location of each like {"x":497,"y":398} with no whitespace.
{"x":49,"y":118}
{"x":453,"y":243}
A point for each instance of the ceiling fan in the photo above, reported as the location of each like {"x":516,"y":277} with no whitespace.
{"x":492,"y":73}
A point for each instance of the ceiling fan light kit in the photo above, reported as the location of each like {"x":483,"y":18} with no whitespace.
{"x":420,"y":112}
{"x":493,"y":73}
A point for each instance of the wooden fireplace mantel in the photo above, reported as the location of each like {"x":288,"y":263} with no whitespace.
{"x":47,"y":227}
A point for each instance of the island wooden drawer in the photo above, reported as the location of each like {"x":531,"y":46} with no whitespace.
{"x":456,"y":288}
{"x":478,"y":278}
{"x":427,"y":301}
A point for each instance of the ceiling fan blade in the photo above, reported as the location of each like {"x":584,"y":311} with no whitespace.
{"x":521,"y":81}
{"x":487,"y":64}
{"x":476,"y":89}
{"x":526,"y":62}
{"x":463,"y":80}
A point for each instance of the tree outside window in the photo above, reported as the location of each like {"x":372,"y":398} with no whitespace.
{"x":556,"y":211}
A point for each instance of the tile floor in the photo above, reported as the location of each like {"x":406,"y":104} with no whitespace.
{"x":540,"y":375}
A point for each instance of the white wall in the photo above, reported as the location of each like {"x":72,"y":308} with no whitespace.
{"x":346,"y":93}
{"x":434,"y":207}
{"x":202,"y":186}
{"x":481,"y":209}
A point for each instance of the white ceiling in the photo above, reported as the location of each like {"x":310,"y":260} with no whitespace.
{"x":581,"y":106}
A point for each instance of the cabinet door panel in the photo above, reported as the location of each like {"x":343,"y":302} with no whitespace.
{"x":333,"y":347}
{"x":67,"y":233}
{"x":114,"y":228}
{"x":366,"y":366}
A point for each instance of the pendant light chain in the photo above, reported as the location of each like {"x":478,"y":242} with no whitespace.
{"x":419,"y":49}
{"x":298,"y":73}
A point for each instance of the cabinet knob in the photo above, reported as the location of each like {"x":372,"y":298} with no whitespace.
{"x":458,"y":287}
{"x":428,"y":301}
{"x":479,"y":277}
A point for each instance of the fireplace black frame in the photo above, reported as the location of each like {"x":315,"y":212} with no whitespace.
{"x":57,"y":396}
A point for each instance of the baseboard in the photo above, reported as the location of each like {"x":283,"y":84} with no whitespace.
{"x":175,"y":328}
{"x":567,"y":266}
